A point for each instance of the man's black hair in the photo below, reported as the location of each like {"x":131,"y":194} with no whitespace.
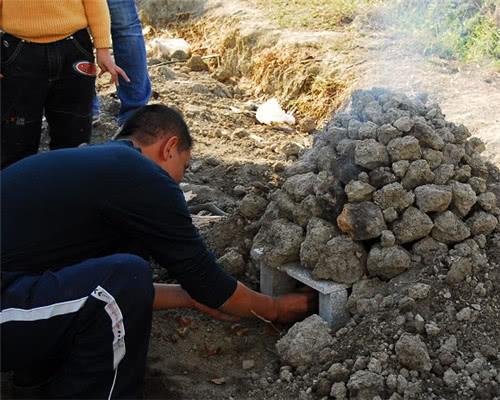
{"x":150,"y":123}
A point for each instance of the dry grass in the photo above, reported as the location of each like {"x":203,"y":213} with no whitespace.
{"x":292,"y":74}
{"x":299,"y":81}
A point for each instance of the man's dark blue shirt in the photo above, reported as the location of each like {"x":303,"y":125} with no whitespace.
{"x":62,"y":207}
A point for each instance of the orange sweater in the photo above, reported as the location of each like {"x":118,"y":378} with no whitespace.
{"x":45,"y":21}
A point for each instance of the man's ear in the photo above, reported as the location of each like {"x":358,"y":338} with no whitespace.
{"x":169,"y":145}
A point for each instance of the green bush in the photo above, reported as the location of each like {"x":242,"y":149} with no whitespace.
{"x":463,"y":29}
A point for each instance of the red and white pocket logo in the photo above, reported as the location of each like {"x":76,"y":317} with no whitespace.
{"x":85,"y":68}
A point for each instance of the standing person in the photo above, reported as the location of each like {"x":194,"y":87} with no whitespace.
{"x":129,"y":51}
{"x":48,"y":67}
{"x":72,"y":222}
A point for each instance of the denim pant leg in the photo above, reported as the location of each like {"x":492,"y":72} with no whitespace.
{"x":130,"y":54}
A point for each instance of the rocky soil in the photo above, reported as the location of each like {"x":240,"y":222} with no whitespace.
{"x":411,"y":205}
{"x":389,"y":188}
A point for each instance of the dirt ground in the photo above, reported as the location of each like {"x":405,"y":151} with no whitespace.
{"x":192,"y":356}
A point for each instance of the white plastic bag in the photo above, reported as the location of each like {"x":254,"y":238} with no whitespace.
{"x":271,"y":112}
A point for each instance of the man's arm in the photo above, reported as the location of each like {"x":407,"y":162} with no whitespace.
{"x":243,"y":303}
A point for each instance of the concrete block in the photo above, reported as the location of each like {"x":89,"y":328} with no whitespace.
{"x":332,"y":296}
{"x":274,"y":282}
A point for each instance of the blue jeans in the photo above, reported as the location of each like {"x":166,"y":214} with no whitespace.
{"x":130,"y":54}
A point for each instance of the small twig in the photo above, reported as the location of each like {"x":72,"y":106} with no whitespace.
{"x":265,"y":320}
{"x":184,"y":61}
{"x":210,"y":207}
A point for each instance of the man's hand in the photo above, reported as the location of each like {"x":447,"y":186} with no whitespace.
{"x":106,"y":64}
{"x":246,"y":302}
{"x":295,"y":307}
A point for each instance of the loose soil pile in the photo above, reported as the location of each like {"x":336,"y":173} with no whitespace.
{"x":398,"y":202}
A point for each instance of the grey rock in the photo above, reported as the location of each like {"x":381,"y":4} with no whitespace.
{"x":362,"y":220}
{"x":446,"y":358}
{"x":478,"y":184}
{"x":307,"y":125}
{"x":412,"y":353}
{"x":338,"y":373}
{"x":427,"y":137}
{"x":370,"y":154}
{"x":300,"y":167}
{"x":309,"y":207}
{"x":365,"y":385}
{"x":365,"y":289}
{"x":300,"y":186}
{"x":281,"y":242}
{"x":319,"y":232}
{"x":477,"y":164}
{"x":448,"y":228}
{"x":464,"y":198}
{"x":353,"y":128}
{"x":393,"y":195}
{"x":167,"y":73}
{"x":367,"y":130}
{"x":381,"y":176}
{"x":405,"y":148}
{"x":464,"y":314}
{"x":359,"y":191}
{"x":450,"y":378}
{"x":386,"y":133}
{"x":387,"y":239}
{"x":443,"y":174}
{"x":433,"y":198}
{"x":252,"y":206}
{"x":341,"y":260}
{"x":387,"y":262}
{"x":419,"y":173}
{"x":345,"y":169}
{"x":233,"y":263}
{"x":196,"y":63}
{"x":303,"y":342}
{"x":460,"y":269}
{"x":390,"y":215}
{"x":433,"y":157}
{"x":453,"y":154}
{"x":488,"y":201}
{"x":400,"y":167}
{"x":404,"y":124}
{"x":430,"y":250}
{"x":482,"y":223}
{"x":450,"y":344}
{"x":461,"y":133}
{"x":413,"y":225}
{"x":474,"y":146}
{"x":291,"y":149}
{"x":463,"y":173}
{"x":339,"y":391}
{"x":373,"y":112}
{"x":419,"y":291}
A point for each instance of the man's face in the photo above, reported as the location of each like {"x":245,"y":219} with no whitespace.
{"x":177,"y":164}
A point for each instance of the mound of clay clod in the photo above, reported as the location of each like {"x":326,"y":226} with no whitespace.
{"x":396,"y":182}
{"x":397,"y":202}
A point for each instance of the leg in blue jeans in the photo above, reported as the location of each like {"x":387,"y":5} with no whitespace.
{"x":130,"y":54}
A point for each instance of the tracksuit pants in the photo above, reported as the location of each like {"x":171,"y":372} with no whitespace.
{"x":56,"y":79}
{"x":83,"y":329}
